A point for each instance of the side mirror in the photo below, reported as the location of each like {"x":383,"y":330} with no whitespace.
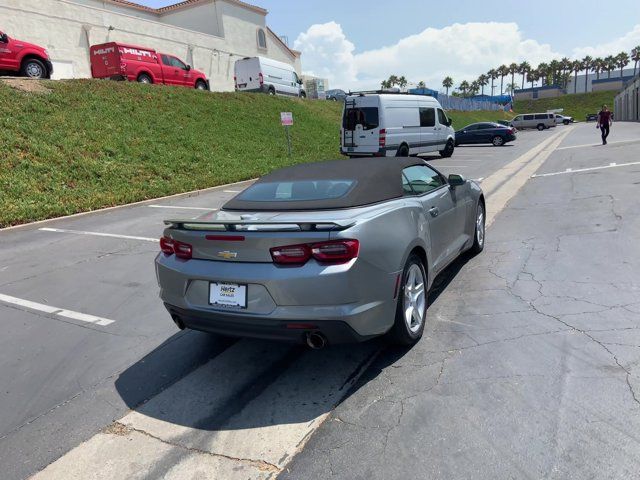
{"x":188,"y":68}
{"x":456,"y":180}
{"x":449,"y":122}
{"x":4,"y":38}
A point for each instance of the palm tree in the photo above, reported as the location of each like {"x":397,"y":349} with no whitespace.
{"x":421,"y":84}
{"x":609,"y":64}
{"x":576,"y":66}
{"x":635,"y":56}
{"x":523,"y":69}
{"x":532,"y":77}
{"x":464,"y":87}
{"x":384,"y":84}
{"x":587,"y":65}
{"x":483,"y":80}
{"x":503,"y":71}
{"x":447,"y":83}
{"x":566,"y":66}
{"x":402,"y":81}
{"x":513,"y":69}
{"x":554,"y":69}
{"x":511,"y":87}
{"x":492,"y":74}
{"x":622,"y":60}
{"x":473,"y":88}
{"x":598,"y":66}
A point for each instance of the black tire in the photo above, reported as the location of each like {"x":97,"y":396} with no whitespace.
{"x":497,"y":141}
{"x":540,"y":127}
{"x":448,"y":149}
{"x":200,"y":85}
{"x":144,"y":78}
{"x":403,"y":151}
{"x":303,"y":95}
{"x":33,"y":68}
{"x":479,"y":234}
{"x":401,"y":333}
{"x":566,"y":122}
{"x":271,"y":91}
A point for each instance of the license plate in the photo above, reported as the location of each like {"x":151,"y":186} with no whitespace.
{"x":228,"y":295}
{"x":242,"y":85}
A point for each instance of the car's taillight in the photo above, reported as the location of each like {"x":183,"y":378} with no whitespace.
{"x":382,"y":139}
{"x":261,"y":78}
{"x":335,"y":252}
{"x":166,"y":245}
{"x":235,"y":81}
{"x":180,"y":249}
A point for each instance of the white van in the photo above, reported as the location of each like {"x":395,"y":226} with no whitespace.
{"x":534,"y":120}
{"x":400,"y":125}
{"x":259,"y":74}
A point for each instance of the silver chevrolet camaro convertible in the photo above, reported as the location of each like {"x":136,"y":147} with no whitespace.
{"x":328,"y":252}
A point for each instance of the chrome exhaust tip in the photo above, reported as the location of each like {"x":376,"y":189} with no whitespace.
{"x":316,"y":340}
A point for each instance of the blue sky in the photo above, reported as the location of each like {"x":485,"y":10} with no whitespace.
{"x":420,"y":38}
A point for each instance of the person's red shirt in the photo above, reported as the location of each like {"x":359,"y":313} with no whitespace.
{"x":604,"y":118}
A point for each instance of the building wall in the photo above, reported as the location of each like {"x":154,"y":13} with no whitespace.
{"x":67,"y":28}
{"x":627,"y":102}
{"x":205,"y":18}
{"x":592,"y":76}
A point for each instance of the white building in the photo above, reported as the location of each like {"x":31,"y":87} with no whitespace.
{"x":208,"y":34}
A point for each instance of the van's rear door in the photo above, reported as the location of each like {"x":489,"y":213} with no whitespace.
{"x":247,"y":72}
{"x":361,"y":125}
{"x":105,"y":60}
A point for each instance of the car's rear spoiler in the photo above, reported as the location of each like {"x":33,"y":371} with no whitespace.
{"x":248,"y":225}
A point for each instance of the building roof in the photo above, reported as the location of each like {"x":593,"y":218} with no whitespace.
{"x":181,"y":5}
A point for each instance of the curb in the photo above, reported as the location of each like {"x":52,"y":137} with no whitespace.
{"x":192,"y":193}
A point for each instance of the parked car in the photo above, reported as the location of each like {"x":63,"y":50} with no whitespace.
{"x":336,"y":95}
{"x":485,"y":132}
{"x":541,"y":121}
{"x":564,"y":120}
{"x":388,"y":124}
{"x":327,"y":252}
{"x":592,"y":117}
{"x":23,"y":58}
{"x":119,"y":61}
{"x":259,"y":74}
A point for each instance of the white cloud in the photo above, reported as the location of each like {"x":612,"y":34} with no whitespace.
{"x":623,"y":44}
{"x":462,"y":51}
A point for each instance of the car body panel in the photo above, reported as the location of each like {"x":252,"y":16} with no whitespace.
{"x":14,"y":51}
{"x":484,"y":132}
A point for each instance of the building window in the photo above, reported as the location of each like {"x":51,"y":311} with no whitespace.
{"x":262,"y":39}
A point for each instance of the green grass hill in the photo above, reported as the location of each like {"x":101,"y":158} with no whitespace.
{"x":576,"y":106}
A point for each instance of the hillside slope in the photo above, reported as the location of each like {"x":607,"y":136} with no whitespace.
{"x":576,"y":106}
{"x":90,"y":144}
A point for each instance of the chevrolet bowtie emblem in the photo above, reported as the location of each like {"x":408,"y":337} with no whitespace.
{"x":227,"y":255}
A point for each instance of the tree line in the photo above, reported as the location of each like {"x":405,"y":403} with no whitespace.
{"x":555,"y":72}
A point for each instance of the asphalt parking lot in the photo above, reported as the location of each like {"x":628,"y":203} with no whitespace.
{"x":528,"y":367}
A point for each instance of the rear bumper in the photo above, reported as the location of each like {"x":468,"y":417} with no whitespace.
{"x":335,"y":331}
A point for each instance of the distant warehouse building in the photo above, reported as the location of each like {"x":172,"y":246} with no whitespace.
{"x":627,"y":102}
{"x":208,"y":34}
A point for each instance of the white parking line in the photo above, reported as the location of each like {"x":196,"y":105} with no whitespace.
{"x":182,"y":208}
{"x":578,"y":170}
{"x":596,"y":144}
{"x":98,"y":234}
{"x":232,"y":191}
{"x":454,"y":166}
{"x":61,"y":312}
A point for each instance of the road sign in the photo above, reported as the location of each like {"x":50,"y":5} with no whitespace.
{"x":286,"y":118}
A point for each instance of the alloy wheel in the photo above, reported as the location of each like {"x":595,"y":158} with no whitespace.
{"x":414,"y":301}
{"x":480,"y":225}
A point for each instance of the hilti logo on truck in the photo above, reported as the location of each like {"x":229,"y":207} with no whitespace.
{"x":104,"y":51}
{"x":134,"y":51}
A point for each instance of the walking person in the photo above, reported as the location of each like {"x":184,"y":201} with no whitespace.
{"x":604,"y":123}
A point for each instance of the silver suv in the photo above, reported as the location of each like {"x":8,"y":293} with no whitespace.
{"x":534,"y":120}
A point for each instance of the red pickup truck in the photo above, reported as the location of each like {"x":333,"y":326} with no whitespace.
{"x":18,"y":57}
{"x":119,"y":61}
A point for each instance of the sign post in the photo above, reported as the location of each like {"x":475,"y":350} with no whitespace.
{"x":286,"y":118}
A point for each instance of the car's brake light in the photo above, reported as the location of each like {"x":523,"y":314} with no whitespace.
{"x":382,"y":139}
{"x":180,"y":249}
{"x":166,"y":245}
{"x":261,"y":79}
{"x":335,"y":252}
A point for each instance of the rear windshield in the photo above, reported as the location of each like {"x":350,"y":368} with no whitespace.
{"x":297,"y":191}
{"x":365,"y":116}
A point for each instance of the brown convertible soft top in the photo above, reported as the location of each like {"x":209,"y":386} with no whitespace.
{"x":374,"y":180}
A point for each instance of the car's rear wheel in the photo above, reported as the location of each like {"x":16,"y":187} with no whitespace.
{"x":200,"y":85}
{"x":479,"y":234}
{"x":403,"y":151}
{"x":497,"y":141}
{"x":272,"y":91}
{"x":144,"y":78}
{"x":448,"y":149}
{"x":33,"y":68}
{"x":540,"y":126}
{"x":411,"y":312}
